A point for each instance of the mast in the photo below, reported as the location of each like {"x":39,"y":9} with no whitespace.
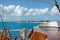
{"x":56,"y":4}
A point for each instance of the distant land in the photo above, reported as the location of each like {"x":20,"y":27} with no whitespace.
{"x":29,"y":21}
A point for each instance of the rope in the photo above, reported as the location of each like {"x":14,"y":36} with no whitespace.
{"x":2,"y":21}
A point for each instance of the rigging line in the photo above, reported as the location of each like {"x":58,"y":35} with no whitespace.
{"x":2,"y":21}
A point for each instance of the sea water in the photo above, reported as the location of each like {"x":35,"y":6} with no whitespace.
{"x":17,"y":25}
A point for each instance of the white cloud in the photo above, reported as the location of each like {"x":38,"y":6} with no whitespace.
{"x":9,"y":8}
{"x":18,"y":10}
{"x":13,"y":10}
{"x":54,"y":10}
{"x":43,"y":11}
{"x":30,"y":12}
{"x":37,"y":11}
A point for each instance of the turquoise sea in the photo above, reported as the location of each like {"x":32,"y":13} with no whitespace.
{"x":17,"y":25}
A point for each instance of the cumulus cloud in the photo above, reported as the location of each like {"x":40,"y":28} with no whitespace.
{"x":54,"y":10}
{"x":6,"y":10}
{"x":37,"y":11}
{"x":18,"y":10}
{"x":13,"y":10}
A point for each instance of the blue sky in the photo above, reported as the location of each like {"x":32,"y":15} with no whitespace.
{"x":25,"y":3}
{"x":17,"y":10}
